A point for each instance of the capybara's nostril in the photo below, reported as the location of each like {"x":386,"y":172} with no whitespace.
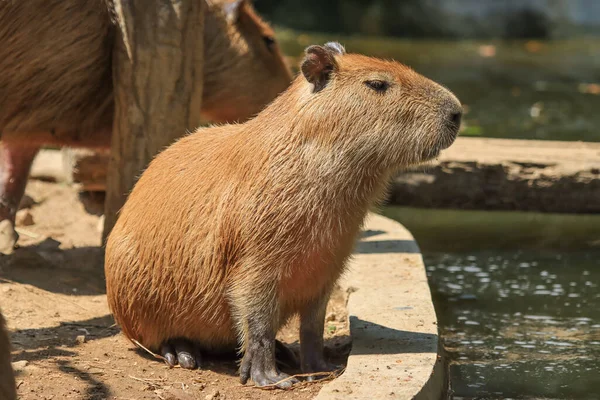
{"x":455,"y":119}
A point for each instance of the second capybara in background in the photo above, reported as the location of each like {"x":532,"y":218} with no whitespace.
{"x":234,"y":229}
{"x":56,"y":80}
{"x":7,"y":378}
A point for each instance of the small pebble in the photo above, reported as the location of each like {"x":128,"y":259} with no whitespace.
{"x":213,"y":396}
{"x":19,"y":365}
{"x":24,"y":218}
{"x":80,"y":339}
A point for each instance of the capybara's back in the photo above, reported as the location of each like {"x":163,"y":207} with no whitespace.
{"x":55,"y":65}
{"x":7,"y":379}
{"x":203,"y":278}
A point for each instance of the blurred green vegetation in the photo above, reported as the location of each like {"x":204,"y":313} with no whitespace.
{"x":379,"y":17}
{"x":513,"y":19}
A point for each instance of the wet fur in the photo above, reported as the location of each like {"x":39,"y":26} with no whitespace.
{"x":237,"y":222}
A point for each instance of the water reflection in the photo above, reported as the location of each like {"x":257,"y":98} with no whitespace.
{"x":519,"y":324}
{"x":517,"y":300}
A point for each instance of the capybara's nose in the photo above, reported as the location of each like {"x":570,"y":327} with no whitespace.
{"x":451,"y":112}
{"x":455,"y":118}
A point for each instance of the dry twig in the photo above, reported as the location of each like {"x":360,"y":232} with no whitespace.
{"x":158,"y":356}
{"x":327,"y":376}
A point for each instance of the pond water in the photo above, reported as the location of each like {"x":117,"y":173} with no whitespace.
{"x":517,"y":300}
{"x":511,"y":89}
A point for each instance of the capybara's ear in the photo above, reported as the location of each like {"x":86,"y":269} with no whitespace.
{"x":320,"y":62}
{"x":232,"y":10}
{"x":335,"y":47}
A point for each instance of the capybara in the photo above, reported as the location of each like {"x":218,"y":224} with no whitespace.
{"x":233,"y":229}
{"x":7,"y":378}
{"x":56,"y":80}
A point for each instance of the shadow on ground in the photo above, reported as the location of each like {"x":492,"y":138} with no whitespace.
{"x":379,"y":339}
{"x":60,"y":343}
{"x":79,"y":270}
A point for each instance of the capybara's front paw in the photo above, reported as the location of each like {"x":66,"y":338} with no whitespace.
{"x":182,"y":352}
{"x":263,"y":371}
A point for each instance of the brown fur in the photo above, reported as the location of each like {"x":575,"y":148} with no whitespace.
{"x":7,"y":379}
{"x":56,"y":72}
{"x":56,"y":80}
{"x":263,"y":215}
{"x":241,"y":74}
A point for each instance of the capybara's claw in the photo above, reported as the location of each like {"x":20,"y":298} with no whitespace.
{"x":244,"y":371}
{"x":278,"y":379}
{"x":168,"y":352}
{"x":182,"y":352}
{"x":186,"y":355}
{"x":262,"y":374}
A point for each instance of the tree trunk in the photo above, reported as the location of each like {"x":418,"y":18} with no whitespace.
{"x":157,"y":73}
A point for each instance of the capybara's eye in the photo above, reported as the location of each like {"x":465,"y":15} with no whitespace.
{"x":377,"y":85}
{"x":269,"y":42}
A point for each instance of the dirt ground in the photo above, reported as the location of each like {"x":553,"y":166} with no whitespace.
{"x":65,"y":343}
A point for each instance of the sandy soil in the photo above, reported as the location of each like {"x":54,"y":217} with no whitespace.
{"x":65,"y":342}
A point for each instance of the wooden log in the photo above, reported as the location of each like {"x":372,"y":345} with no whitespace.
{"x":157,"y":73}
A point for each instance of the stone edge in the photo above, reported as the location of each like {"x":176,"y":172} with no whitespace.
{"x":396,"y":351}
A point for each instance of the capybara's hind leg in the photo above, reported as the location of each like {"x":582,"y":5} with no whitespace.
{"x":15,"y":163}
{"x":285,"y":357}
{"x":182,"y":352}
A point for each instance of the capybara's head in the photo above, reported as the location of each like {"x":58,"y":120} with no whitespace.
{"x":244,"y":68}
{"x":379,"y":110}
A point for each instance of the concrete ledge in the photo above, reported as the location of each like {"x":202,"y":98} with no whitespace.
{"x":392,"y":321}
{"x":503,"y":174}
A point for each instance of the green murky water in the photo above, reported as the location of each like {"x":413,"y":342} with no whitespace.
{"x":517,"y":300}
{"x":511,"y":89}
